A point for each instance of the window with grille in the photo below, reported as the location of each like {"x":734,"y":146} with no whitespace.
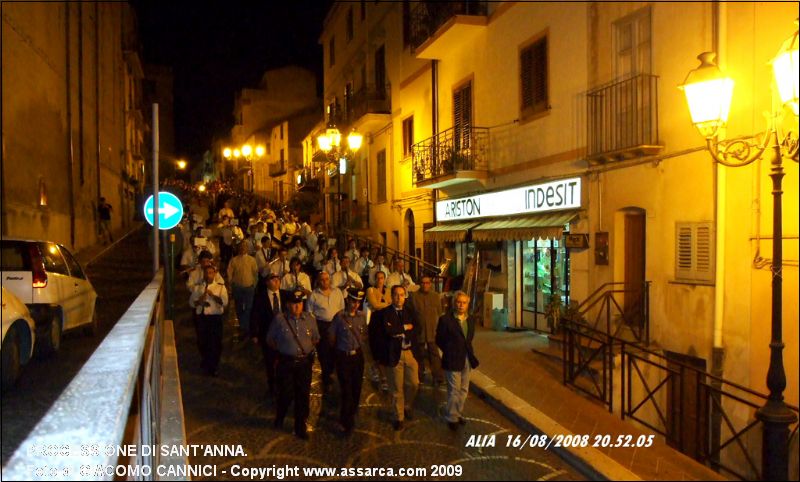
{"x":533,"y":78}
{"x":462,"y":116}
{"x":408,"y":136}
{"x":381,"y":188}
{"x":694,"y":252}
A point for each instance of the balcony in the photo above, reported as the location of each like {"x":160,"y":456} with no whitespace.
{"x":369,"y":109}
{"x":437,"y":26}
{"x":452,"y":157}
{"x":277,"y":168}
{"x":623,"y":119}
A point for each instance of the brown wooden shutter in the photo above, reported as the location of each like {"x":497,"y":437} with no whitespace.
{"x":533,"y":78}
{"x":704,"y":252}
{"x":683,"y":255}
{"x":462,"y":116}
{"x":381,"y":176}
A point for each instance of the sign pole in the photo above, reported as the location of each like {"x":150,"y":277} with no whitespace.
{"x":155,"y":189}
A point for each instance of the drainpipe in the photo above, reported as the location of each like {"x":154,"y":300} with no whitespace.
{"x":719,"y":45}
{"x":80,"y":89}
{"x":70,"y":147}
{"x":97,"y":94}
{"x":434,"y":128}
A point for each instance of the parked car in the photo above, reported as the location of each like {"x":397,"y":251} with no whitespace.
{"x":18,"y":338}
{"x":47,"y":278}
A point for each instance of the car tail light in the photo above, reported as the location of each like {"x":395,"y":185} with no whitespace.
{"x":37,"y":266}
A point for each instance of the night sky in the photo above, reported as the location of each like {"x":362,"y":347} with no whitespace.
{"x":217,"y":48}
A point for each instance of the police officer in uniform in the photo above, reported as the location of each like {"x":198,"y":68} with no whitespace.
{"x":348,"y":335}
{"x":293,"y":335}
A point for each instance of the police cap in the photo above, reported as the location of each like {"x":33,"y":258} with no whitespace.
{"x":297,"y":296}
{"x":355,"y":294}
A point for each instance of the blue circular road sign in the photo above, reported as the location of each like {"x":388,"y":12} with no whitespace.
{"x":170,"y":210}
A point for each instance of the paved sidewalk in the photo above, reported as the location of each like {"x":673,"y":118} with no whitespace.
{"x":528,"y":387}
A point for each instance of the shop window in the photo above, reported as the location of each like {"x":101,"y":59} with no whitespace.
{"x":545,"y":268}
{"x":694,"y":252}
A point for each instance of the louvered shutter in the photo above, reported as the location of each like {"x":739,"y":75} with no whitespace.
{"x":683,"y":253}
{"x":462,"y":116}
{"x":694,"y":252}
{"x":381,"y":176}
{"x":533,"y":78}
{"x":526,"y":78}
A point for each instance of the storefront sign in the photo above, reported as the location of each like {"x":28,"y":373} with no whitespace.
{"x":576,"y":241}
{"x":550,"y":196}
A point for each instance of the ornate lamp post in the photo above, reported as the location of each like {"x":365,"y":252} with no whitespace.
{"x":330,"y":142}
{"x":708,"y":94}
{"x":247,"y":153}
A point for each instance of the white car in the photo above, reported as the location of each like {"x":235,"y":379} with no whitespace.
{"x":47,"y":278}
{"x":18,"y":338}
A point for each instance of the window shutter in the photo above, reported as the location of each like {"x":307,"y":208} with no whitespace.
{"x":533,"y":78}
{"x":462,"y":116}
{"x":526,"y":80}
{"x":381,"y":176}
{"x":704,"y":252}
{"x":694,"y":252}
{"x":683,"y":255}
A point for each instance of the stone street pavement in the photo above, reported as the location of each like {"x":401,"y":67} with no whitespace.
{"x":231,"y":409}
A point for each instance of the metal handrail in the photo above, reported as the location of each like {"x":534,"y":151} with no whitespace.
{"x":450,"y":151}
{"x":708,"y":395}
{"x":427,"y":17}
{"x":125,"y":394}
{"x":418,"y":264}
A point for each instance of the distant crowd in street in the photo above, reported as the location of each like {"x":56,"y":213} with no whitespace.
{"x":300,"y":300}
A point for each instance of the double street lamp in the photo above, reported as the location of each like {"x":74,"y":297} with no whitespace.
{"x":708,"y":93}
{"x":248,"y":153}
{"x":330,"y":142}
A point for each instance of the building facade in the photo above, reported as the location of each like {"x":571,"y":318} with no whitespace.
{"x":71,"y":93}
{"x":498,"y":111}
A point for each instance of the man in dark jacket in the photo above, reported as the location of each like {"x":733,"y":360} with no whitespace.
{"x":393,"y":340}
{"x":269,"y":305}
{"x":454,"y":335}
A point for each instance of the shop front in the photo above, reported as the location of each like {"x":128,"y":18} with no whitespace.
{"x":507,"y":249}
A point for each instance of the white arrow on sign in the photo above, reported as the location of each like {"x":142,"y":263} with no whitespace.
{"x":168,"y":210}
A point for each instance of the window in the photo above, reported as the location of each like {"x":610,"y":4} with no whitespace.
{"x":363,"y":10}
{"x":281,"y":155}
{"x":350,"y":24}
{"x":694,"y":252}
{"x":406,"y":23}
{"x":462,"y":116}
{"x":331,"y":52}
{"x":74,"y":267}
{"x":53,"y":262}
{"x":533,"y":78}
{"x":408,"y":136}
{"x":380,"y":71}
{"x":382,"y":176}
{"x":281,"y":131}
{"x":632,"y":46}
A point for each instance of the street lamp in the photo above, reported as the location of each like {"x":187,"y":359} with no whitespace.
{"x":248,"y":153}
{"x":708,"y":94}
{"x":330,"y":143}
{"x":181,"y":164}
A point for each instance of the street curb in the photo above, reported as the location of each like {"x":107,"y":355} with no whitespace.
{"x":588,"y":460}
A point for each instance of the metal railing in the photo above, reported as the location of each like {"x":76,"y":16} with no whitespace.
{"x":417,"y":266}
{"x":278,"y":168}
{"x":707,"y":417}
{"x":450,"y":151}
{"x":368,"y":100}
{"x":126,"y":394}
{"x":427,"y":17}
{"x":623,"y":115}
{"x":609,"y":314}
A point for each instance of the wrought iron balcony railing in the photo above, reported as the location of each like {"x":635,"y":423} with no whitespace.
{"x":277,"y":168}
{"x":623,"y":118}
{"x":368,"y":100}
{"x":451,"y":151}
{"x":427,"y":17}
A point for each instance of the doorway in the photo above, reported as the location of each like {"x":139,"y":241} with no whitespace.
{"x":410,"y":233}
{"x":635,"y":256}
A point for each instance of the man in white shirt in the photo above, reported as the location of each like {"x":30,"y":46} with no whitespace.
{"x":400,"y":277}
{"x":352,"y":251}
{"x":209,"y":300}
{"x":380,"y":265}
{"x":263,"y":257}
{"x":363,"y":265}
{"x":197,"y":275}
{"x":324,"y":303}
{"x":281,"y":265}
{"x":298,"y":251}
{"x":346,"y":277}
{"x":296,"y":280}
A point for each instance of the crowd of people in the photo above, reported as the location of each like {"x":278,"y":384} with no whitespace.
{"x":358,"y":313}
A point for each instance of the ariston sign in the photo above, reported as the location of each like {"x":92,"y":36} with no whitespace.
{"x":550,"y":196}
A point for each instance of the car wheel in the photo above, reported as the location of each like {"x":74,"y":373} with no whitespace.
{"x":93,"y":328}
{"x":11,"y":365}
{"x":51,"y":342}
